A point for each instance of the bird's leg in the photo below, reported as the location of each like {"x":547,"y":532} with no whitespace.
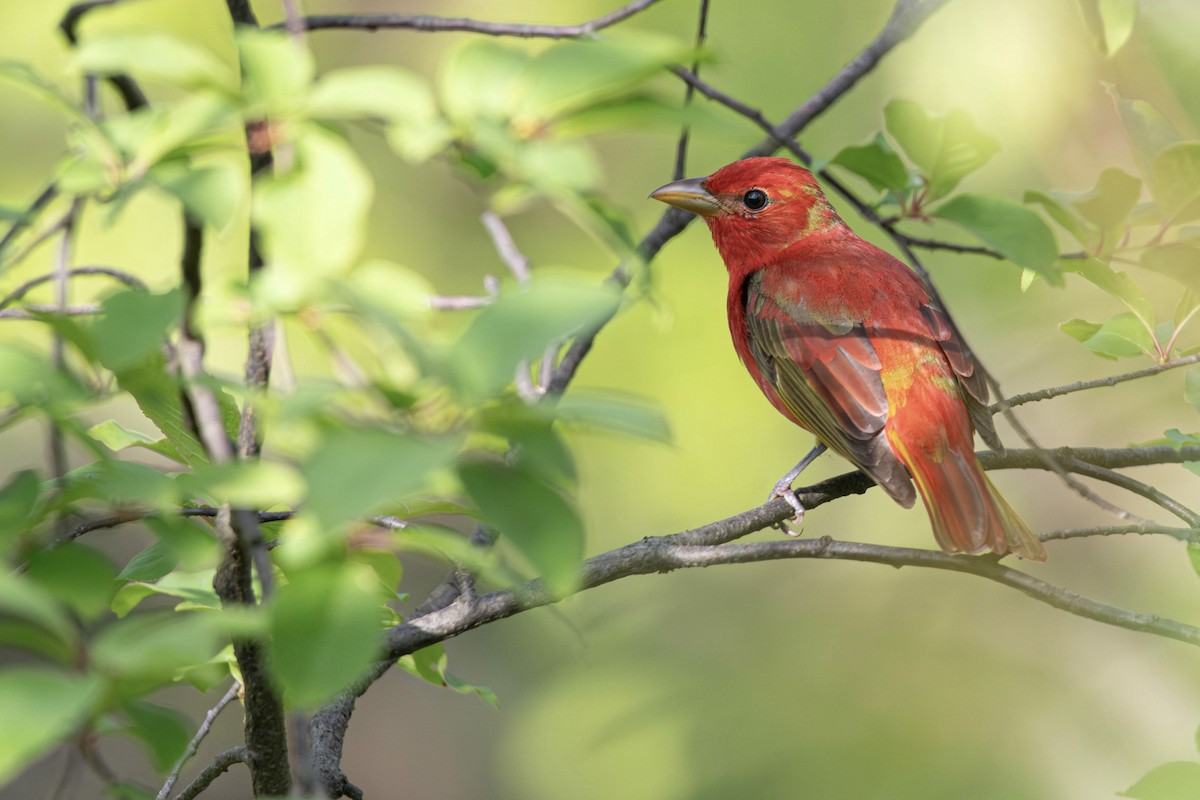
{"x":783,"y":488}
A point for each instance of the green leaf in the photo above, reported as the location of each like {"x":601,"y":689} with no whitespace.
{"x":1175,"y":780}
{"x":78,"y":575}
{"x":41,"y":707}
{"x":25,"y":599}
{"x":1122,"y":335}
{"x":213,"y":194}
{"x":1191,"y":387}
{"x":1117,"y":284}
{"x":1110,"y":22}
{"x":1080,"y":329}
{"x":1178,"y":261}
{"x":947,"y":147}
{"x":123,"y":483}
{"x":1017,"y":233}
{"x":245,"y":484}
{"x":18,"y":507}
{"x":276,"y":72}
{"x":179,"y":540}
{"x":615,"y":413}
{"x":1176,"y":182}
{"x":574,"y":74}
{"x":194,"y":590}
{"x":1062,"y":214}
{"x":480,"y":79}
{"x":340,"y":490}
{"x":165,"y":731}
{"x":117,"y":437}
{"x":153,"y":647}
{"x":151,"y":564}
{"x":312,"y":216}
{"x":325,"y":631}
{"x":179,"y":130}
{"x":1115,"y":195}
{"x":877,"y":162}
{"x":151,"y":55}
{"x":429,"y":664}
{"x":157,"y":395}
{"x":134,"y":325}
{"x":373,"y":92}
{"x":520,"y":324}
{"x":1149,"y":131}
{"x":543,"y":525}
{"x":28,"y":378}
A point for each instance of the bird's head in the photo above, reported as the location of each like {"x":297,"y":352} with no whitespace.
{"x":756,"y":208}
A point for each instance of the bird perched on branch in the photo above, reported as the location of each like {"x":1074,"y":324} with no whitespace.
{"x":845,"y":341}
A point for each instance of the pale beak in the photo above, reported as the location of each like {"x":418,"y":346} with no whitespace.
{"x":689,"y":194}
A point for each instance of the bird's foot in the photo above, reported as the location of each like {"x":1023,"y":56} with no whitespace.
{"x":792,"y":526}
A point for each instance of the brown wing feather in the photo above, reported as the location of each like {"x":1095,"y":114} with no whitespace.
{"x":827,"y":374}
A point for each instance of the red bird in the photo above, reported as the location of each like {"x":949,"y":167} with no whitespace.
{"x":844,"y":340}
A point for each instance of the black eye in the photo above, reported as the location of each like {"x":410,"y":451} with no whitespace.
{"x":755,"y":199}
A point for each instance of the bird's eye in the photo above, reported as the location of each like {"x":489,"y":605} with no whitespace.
{"x":755,"y":199}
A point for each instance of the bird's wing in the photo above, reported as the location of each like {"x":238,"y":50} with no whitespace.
{"x":970,"y":375}
{"x":828,"y":375}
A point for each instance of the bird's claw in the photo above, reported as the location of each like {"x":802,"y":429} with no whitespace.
{"x":784,"y":490}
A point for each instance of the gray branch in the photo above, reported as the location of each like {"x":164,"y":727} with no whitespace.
{"x":430,"y":24}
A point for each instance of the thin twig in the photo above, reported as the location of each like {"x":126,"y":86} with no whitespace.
{"x":1113,"y":380}
{"x":1191,"y":535}
{"x":458,"y":303}
{"x":194,"y":744}
{"x":26,"y":219}
{"x":514,"y":259}
{"x":219,"y":765}
{"x":688,"y":550}
{"x":35,"y":310}
{"x":682,"y":147}
{"x":430,"y":24}
{"x":126,"y":278}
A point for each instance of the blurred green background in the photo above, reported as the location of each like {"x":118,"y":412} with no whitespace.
{"x":793,"y":679}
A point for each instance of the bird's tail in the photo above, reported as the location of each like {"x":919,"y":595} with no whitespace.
{"x":967,"y":512}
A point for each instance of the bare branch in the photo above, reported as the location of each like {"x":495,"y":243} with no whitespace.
{"x":126,"y":278}
{"x":241,"y":539}
{"x":682,"y":147}
{"x":194,"y":744}
{"x":686,"y":550}
{"x":130,"y":93}
{"x":22,"y":222}
{"x":1058,"y":391}
{"x":34,"y":309}
{"x":1191,"y":535}
{"x":514,"y":259}
{"x":430,"y":24}
{"x":458,"y":303}
{"x":218,"y":767}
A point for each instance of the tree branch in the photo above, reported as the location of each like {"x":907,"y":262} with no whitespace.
{"x":431,"y":24}
{"x":686,"y":550}
{"x":1113,"y":380}
{"x":41,"y":201}
{"x":194,"y":744}
{"x":218,"y":767}
{"x":126,"y":278}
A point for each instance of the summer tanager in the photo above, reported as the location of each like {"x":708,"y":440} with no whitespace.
{"x":844,"y":341}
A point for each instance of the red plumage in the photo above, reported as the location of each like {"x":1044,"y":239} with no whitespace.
{"x":844,"y":340}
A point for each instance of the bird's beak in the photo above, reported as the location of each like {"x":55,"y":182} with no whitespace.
{"x":689,"y":194}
